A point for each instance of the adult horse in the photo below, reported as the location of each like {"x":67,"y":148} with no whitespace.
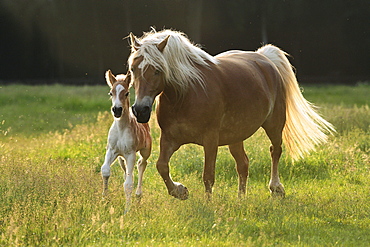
{"x":222,"y":100}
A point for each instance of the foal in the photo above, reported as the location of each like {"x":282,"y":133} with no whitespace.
{"x":126,"y":137}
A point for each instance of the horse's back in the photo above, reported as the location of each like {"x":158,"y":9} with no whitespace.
{"x":247,"y":74}
{"x":248,"y":64}
{"x":240,"y":93}
{"x":251,"y":85}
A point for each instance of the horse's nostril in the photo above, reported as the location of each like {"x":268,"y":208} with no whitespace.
{"x":142,"y":113}
{"x":145,"y":110}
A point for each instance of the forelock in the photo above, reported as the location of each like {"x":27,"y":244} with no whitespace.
{"x":151,"y":56}
{"x":120,"y":77}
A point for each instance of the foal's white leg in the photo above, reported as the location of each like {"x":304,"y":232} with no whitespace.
{"x":141,"y":165}
{"x":110,"y":157}
{"x":122,"y":164}
{"x":129,"y":181}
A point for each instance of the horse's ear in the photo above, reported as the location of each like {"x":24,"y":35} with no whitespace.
{"x":110,"y":78}
{"x":135,"y":44}
{"x":163,"y":44}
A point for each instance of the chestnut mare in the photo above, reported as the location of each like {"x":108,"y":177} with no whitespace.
{"x":221,"y":100}
{"x":125,"y":138}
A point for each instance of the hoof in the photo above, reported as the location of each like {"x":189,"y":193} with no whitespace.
{"x":138,"y":198}
{"x":180,"y":192}
{"x":105,"y":194}
{"x":277,"y":191}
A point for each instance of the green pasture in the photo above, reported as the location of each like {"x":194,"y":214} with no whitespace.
{"x":52,"y":144}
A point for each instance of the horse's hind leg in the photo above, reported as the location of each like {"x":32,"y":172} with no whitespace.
{"x":242,"y":165}
{"x":276,"y":187}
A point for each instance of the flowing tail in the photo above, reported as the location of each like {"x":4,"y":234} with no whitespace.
{"x":304,"y":127}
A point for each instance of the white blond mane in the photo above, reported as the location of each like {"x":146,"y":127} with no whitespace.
{"x":178,"y":61}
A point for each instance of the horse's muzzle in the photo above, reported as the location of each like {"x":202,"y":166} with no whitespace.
{"x":142,"y":113}
{"x":117,"y":111}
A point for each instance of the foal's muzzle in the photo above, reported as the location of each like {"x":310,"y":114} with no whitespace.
{"x":142,"y":113}
{"x":117,"y":111}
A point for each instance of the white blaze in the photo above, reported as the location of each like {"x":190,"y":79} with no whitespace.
{"x":115,"y":100}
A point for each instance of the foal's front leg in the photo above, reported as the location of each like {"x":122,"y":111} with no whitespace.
{"x":110,"y":157}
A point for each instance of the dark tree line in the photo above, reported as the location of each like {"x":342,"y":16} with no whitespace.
{"x":58,"y":40}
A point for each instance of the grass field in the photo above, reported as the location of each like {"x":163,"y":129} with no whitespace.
{"x":52,"y":144}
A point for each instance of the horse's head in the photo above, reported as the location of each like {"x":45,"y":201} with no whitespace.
{"x":148,"y":77}
{"x":119,"y":93}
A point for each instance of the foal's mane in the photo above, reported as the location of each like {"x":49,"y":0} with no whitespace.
{"x":178,"y":61}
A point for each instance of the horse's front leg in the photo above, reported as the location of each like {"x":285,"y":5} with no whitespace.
{"x":129,"y":178}
{"x":166,"y":150}
{"x":110,"y":157}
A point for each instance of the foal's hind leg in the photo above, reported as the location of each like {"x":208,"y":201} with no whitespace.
{"x":141,"y":166}
{"x":242,"y":165}
{"x":122,"y":164}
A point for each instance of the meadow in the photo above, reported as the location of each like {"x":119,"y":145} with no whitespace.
{"x":52,"y":144}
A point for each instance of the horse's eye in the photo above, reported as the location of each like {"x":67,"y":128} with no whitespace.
{"x":157,"y":72}
{"x":110,"y":94}
{"x":126,"y":94}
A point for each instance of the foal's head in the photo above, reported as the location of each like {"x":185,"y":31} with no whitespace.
{"x":119,"y":92}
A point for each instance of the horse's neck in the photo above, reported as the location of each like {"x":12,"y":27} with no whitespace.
{"x":169,"y":95}
{"x":172,"y":99}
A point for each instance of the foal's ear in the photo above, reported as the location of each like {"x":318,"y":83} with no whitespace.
{"x":109,"y":77}
{"x":135,"y":44}
{"x":127,"y":80}
{"x":163,"y":44}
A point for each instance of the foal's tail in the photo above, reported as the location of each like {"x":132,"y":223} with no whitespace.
{"x":304,"y":127}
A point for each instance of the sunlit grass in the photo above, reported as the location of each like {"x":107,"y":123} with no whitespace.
{"x":50,"y":185}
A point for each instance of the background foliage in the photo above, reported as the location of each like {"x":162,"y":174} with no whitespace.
{"x":76,"y":41}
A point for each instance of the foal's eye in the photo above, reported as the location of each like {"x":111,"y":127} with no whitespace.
{"x":126,"y":94}
{"x":110,"y":94}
